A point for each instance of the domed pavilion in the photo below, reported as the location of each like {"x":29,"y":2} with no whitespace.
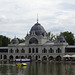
{"x":37,"y":46}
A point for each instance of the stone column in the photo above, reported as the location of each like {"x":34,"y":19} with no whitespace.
{"x":0,"y":56}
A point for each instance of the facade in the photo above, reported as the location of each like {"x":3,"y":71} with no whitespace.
{"x":37,"y":46}
{"x":3,"y":53}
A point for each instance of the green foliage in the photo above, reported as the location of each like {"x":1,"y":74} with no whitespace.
{"x":0,"y":43}
{"x":4,"y":41}
{"x":21,"y":40}
{"x":69,"y":36}
{"x":51,"y":36}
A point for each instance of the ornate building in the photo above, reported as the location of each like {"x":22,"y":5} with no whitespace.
{"x":36,"y":46}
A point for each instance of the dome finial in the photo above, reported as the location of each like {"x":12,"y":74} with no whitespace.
{"x":37,"y":18}
{"x":15,"y":36}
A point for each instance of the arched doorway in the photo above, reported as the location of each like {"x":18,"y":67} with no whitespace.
{"x":29,"y":57}
{"x":36,"y":57}
{"x":11,"y":57}
{"x":22,"y":57}
{"x":17,"y":57}
{"x":5,"y":57}
{"x":58,"y":58}
{"x":50,"y":58}
{"x":44,"y":58}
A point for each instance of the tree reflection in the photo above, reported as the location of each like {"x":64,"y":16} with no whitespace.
{"x":38,"y":68}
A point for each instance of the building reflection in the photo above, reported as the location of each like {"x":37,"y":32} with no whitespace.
{"x":37,"y":68}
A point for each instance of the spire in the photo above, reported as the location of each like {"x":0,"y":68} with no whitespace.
{"x":37,"y":18}
{"x":27,"y":33}
{"x":15,"y":37}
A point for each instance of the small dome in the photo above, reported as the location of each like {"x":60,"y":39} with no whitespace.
{"x":38,"y":29}
{"x":61,"y":39}
{"x":14,"y":41}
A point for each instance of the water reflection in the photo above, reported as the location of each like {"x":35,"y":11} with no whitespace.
{"x":37,"y":68}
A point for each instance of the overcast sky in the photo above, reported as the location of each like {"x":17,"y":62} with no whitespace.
{"x":18,"y":16}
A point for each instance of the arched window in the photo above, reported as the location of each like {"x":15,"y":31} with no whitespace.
{"x":29,"y":50}
{"x":36,"y":50}
{"x":11,"y":51}
{"x":33,"y":41}
{"x":22,"y":51}
{"x":51,"y":50}
{"x":33,"y":50}
{"x":58,"y":50}
{"x":44,"y":51}
{"x":17,"y":51}
{"x":5,"y":57}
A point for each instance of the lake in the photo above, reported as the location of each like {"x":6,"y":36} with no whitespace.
{"x":37,"y":68}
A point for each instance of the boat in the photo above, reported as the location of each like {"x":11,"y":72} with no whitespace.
{"x":21,"y":64}
{"x":22,"y":60}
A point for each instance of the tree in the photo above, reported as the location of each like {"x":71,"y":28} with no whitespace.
{"x":4,"y":41}
{"x":69,"y":37}
{"x":21,"y":40}
{"x":51,"y":36}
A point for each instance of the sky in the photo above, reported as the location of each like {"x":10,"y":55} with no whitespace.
{"x":18,"y":16}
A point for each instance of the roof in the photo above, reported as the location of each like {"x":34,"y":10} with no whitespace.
{"x":49,"y":43}
{"x":22,"y":44}
{"x":70,"y":46}
{"x":38,"y":29}
{"x":3,"y":47}
{"x":60,"y":39}
{"x":14,"y":41}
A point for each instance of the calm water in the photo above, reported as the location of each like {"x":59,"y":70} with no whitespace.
{"x":37,"y":68}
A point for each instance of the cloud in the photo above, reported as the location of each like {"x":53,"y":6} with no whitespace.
{"x":18,"y":16}
{"x":67,"y":6}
